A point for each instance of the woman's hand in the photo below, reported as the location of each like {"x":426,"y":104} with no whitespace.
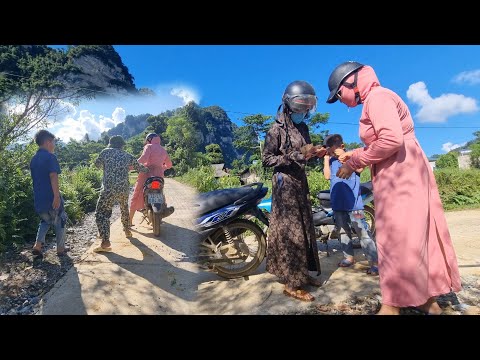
{"x":342,"y":157}
{"x":320,"y":152}
{"x":344,"y":172}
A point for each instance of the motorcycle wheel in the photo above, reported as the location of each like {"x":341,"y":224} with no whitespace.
{"x":370,"y":218}
{"x":247,"y":233}
{"x":156,"y":222}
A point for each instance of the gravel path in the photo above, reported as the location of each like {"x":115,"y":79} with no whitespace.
{"x":25,"y":279}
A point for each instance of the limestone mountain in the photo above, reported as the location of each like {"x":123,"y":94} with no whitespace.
{"x":212,"y":125}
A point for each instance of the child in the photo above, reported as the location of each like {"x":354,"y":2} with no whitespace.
{"x":347,"y":206}
{"x":48,"y":202}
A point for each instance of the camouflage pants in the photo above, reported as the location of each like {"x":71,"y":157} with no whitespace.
{"x":104,"y":211}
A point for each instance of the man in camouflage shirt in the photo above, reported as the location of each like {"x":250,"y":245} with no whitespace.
{"x":116,"y":165}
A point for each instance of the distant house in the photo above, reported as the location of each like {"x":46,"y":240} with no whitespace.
{"x":464,"y":161}
{"x":247,"y":177}
{"x":432,"y":161}
{"x":220,"y":170}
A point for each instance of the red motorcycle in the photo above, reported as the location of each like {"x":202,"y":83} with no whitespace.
{"x":155,"y":204}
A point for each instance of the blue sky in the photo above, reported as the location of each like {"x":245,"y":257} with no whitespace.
{"x":440,"y":84}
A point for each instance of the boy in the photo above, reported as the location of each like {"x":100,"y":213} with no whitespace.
{"x":347,"y":206}
{"x":48,"y":202}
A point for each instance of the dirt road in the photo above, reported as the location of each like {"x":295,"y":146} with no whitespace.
{"x":148,"y":275}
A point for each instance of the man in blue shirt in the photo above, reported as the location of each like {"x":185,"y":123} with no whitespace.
{"x":48,"y":202}
{"x":347,"y":206}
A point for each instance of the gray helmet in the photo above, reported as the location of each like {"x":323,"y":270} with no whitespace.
{"x":300,"y":97}
{"x":150,"y":136}
{"x":340,"y":73}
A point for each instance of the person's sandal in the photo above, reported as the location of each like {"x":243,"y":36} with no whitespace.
{"x":345,"y":263}
{"x":103,"y":248}
{"x":300,"y":295}
{"x":373,"y":271}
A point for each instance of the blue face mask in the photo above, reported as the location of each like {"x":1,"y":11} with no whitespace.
{"x":297,"y":118}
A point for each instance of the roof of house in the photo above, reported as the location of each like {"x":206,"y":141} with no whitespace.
{"x":218,"y":169}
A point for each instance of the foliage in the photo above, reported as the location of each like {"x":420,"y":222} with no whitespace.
{"x":17,"y":214}
{"x":316,"y":183}
{"x":447,"y":161}
{"x":32,"y":89}
{"x":214,"y":154}
{"x":201,"y":178}
{"x":78,"y":153}
{"x":228,"y":182}
{"x":458,"y":187}
{"x":157,"y":124}
{"x":18,"y":220}
{"x":135,"y":145}
{"x":475,"y":155}
{"x":80,"y":189}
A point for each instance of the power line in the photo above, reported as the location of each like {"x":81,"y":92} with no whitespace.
{"x":347,"y":123}
{"x":245,"y":113}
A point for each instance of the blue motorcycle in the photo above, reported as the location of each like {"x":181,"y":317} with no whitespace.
{"x":232,"y":244}
{"x":323,"y":220}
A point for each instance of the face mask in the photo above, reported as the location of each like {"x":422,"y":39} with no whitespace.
{"x":297,"y":118}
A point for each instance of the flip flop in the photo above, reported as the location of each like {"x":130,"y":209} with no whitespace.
{"x":300,"y":295}
{"x":100,"y":249}
{"x":345,"y":263}
{"x":37,"y":252}
{"x":373,"y":271}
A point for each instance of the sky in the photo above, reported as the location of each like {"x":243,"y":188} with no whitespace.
{"x":439,"y":83}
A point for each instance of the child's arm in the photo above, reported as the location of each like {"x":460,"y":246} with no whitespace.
{"x":56,"y":190}
{"x":326,"y":167}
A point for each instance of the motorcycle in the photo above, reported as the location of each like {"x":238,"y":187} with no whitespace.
{"x":155,"y":206}
{"x":232,"y":245}
{"x":323,"y":220}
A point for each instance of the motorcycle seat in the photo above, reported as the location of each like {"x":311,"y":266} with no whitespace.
{"x":324,"y":195}
{"x":366,"y":188}
{"x":216,"y":199}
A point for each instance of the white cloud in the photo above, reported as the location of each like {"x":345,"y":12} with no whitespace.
{"x":97,"y":116}
{"x":450,"y":146}
{"x":118,"y":115}
{"x":186,"y":94}
{"x":470,"y":77}
{"x":441,"y":108}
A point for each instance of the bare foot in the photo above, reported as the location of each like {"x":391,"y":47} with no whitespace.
{"x":388,"y":310}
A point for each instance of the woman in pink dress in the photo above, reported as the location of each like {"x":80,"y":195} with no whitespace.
{"x":154,"y":157}
{"x":416,"y":258}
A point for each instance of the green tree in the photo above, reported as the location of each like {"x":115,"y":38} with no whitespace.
{"x":447,"y":161}
{"x":214,"y":154}
{"x":33,"y":89}
{"x":158,"y":124}
{"x":135,"y":145}
{"x":183,"y":140}
{"x":353,"y":146}
{"x":475,"y":154}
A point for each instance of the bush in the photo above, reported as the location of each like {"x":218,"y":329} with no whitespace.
{"x":458,"y":188}
{"x":316,"y":183}
{"x":201,"y":178}
{"x":18,"y":220}
{"x":229,"y":182}
{"x":80,"y":189}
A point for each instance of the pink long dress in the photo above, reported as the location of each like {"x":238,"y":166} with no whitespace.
{"x":415,"y":252}
{"x":154,"y":157}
